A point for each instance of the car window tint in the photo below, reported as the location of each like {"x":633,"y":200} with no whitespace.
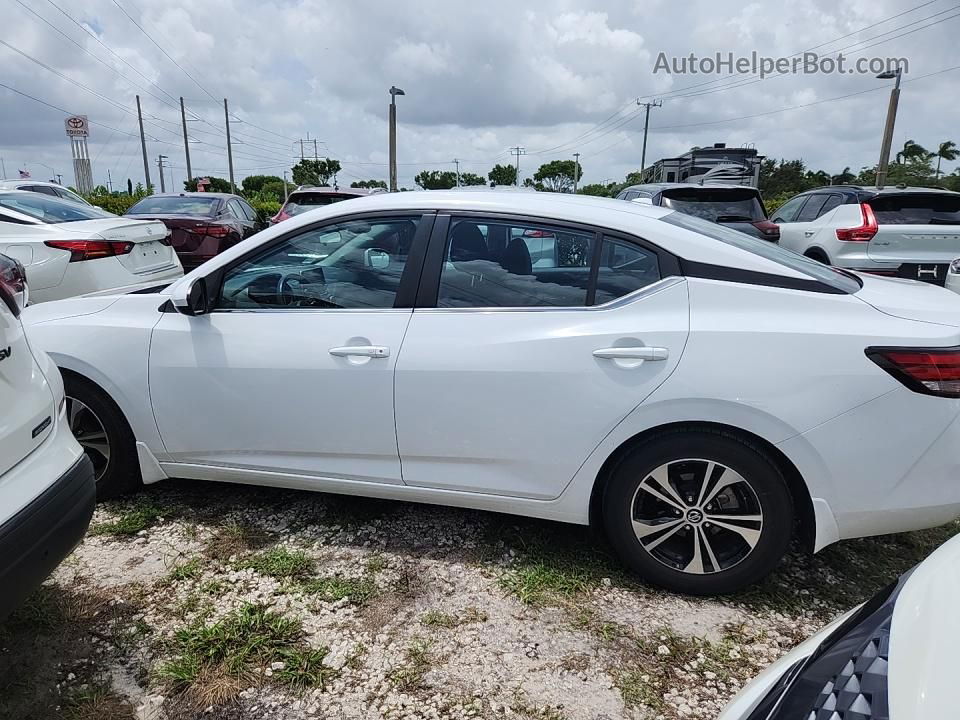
{"x":488,"y":264}
{"x":236,"y":209}
{"x":248,"y":210}
{"x":45,"y":189}
{"x":917,"y":209}
{"x":833,"y":201}
{"x":811,"y":211}
{"x":788,"y":211}
{"x":354,"y":264}
{"x":624,"y":268}
{"x":175,"y":205}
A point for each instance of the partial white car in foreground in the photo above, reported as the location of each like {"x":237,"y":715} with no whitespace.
{"x":71,"y":249}
{"x":953,"y":277}
{"x":892,"y":658}
{"x":46,"y":482}
{"x":701,"y":394}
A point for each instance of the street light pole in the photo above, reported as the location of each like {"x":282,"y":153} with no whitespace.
{"x":891,"y":120}
{"x":394,"y":91}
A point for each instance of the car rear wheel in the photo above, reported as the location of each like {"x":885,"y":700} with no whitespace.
{"x":100,"y":428}
{"x":698,"y":511}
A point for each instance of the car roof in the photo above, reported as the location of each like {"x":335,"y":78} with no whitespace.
{"x":545,"y":207}
{"x":326,"y":189}
{"x":222,"y":196}
{"x":886,"y":190}
{"x":4,"y":184}
{"x":659,"y":187}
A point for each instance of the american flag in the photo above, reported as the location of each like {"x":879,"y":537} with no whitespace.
{"x":24,"y":174}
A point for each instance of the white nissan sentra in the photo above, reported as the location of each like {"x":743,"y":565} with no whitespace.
{"x":701,"y":395}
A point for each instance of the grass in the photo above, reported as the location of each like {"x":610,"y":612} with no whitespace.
{"x":333,"y":588}
{"x":130,"y":523}
{"x":189,"y":570}
{"x":538,"y":583}
{"x":418,"y":660}
{"x":232,"y":539}
{"x":436,"y":618}
{"x":96,"y":702}
{"x":214,"y":662}
{"x":280,"y":563}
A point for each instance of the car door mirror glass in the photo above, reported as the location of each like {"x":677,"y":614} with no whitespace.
{"x":376,"y":258}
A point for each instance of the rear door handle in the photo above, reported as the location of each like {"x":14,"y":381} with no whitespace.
{"x":632,"y":353}
{"x":809,"y":233}
{"x":371,"y":351}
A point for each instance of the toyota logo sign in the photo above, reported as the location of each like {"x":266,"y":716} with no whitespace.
{"x":77,"y":126}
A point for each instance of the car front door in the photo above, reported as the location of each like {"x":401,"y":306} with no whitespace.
{"x":791,"y":235}
{"x":292,"y":370}
{"x":513,"y":371}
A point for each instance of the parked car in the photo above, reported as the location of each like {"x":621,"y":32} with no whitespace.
{"x":47,"y":188}
{"x":46,"y":480}
{"x":309,"y":198}
{"x":953,"y":276}
{"x":71,"y":249}
{"x":892,"y":658}
{"x":899,"y":231}
{"x":700,"y":394}
{"x":734,"y":206}
{"x":202,"y":225}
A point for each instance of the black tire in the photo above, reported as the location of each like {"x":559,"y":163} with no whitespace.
{"x":119,"y":473}
{"x":818,"y":255}
{"x":763,"y":491}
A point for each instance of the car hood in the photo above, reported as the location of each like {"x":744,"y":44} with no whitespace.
{"x":70,"y":307}
{"x":910,"y":299}
{"x":924,"y":638}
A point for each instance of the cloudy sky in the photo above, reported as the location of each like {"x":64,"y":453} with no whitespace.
{"x":554,"y":77}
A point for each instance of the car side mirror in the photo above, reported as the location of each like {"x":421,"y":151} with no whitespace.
{"x":191,"y":299}
{"x":374,"y":258}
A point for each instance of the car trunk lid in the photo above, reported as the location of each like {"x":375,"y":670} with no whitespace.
{"x":151,"y":250}
{"x":188,"y":232}
{"x":910,"y":300}
{"x":921,"y":230}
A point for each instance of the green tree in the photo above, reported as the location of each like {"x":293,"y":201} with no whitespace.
{"x":600,"y":190}
{"x":844,"y":178}
{"x":315,"y":172}
{"x":947,"y":151}
{"x":471,"y":179}
{"x":558,"y":175}
{"x":503,"y":175}
{"x":221,"y":185}
{"x":369,"y":184}
{"x":253,"y":183}
{"x":273,"y":188}
{"x":436,"y":179}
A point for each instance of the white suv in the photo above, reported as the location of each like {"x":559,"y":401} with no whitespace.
{"x":47,"y":485}
{"x":900,"y":231}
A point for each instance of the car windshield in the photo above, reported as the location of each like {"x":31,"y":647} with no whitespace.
{"x":917,"y":209}
{"x":50,"y":209}
{"x":825,"y":274}
{"x":716,"y":204}
{"x":174,"y":205}
{"x":301,"y":202}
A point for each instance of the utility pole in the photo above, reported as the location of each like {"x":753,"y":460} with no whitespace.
{"x":301,"y":150}
{"x":286,"y":195}
{"x":316,"y":158}
{"x":163,"y":185}
{"x":457,"y":163}
{"x":186,"y":143}
{"x":109,"y":182}
{"x":3,"y":169}
{"x":394,"y":91}
{"x":143,"y":148}
{"x":226,"y":117}
{"x":888,"y":127}
{"x":576,"y":171}
{"x":518,"y":151}
{"x":646,"y":126}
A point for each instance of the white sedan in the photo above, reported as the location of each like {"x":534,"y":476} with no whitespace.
{"x":892,"y":658}
{"x":71,"y":249}
{"x":702,"y":395}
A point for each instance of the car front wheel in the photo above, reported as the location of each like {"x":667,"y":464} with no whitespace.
{"x":698,"y":511}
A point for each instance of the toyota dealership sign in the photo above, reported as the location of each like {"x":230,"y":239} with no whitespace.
{"x":77,"y":126}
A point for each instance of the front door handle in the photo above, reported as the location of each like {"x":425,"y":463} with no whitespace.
{"x":632,"y":353}
{"x":370,"y":351}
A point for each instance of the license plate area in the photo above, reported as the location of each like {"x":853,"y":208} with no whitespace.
{"x":934,"y":273}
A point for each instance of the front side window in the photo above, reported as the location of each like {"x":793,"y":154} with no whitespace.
{"x":353,"y":264}
{"x":788,"y":211}
{"x":492,"y":264}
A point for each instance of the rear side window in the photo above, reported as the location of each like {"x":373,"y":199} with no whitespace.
{"x":832,"y":202}
{"x":831,"y":277}
{"x":716,"y":204}
{"x":624,"y":268}
{"x":811,"y":211}
{"x":917,"y":209}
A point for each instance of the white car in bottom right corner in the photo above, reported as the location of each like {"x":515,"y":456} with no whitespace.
{"x":953,"y":277}
{"x":892,"y":658}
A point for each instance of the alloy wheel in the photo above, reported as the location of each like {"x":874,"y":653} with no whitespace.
{"x":89,"y":431}
{"x":696,"y":516}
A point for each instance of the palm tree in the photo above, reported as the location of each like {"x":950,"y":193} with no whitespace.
{"x":844,"y":178}
{"x":912,"y":151}
{"x":947,"y":151}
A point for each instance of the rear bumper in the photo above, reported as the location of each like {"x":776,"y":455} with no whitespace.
{"x":35,"y":540}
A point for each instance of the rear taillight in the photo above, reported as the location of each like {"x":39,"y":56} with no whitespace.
{"x":932,"y":371}
{"x":770,"y":230}
{"x":13,"y":284}
{"x":211,"y":230}
{"x":863,"y":232}
{"x":81,"y":250}
{"x":165,"y":240}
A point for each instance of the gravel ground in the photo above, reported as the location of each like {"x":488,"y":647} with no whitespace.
{"x":217,"y":601}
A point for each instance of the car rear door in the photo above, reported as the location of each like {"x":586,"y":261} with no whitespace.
{"x":921,"y":231}
{"x":512,"y":373}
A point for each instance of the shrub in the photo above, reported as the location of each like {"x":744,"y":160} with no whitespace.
{"x":116,"y":204}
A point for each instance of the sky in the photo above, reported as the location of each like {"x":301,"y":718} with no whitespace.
{"x":553,"y":77}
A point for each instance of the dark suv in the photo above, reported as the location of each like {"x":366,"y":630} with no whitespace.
{"x":736,"y":206}
{"x":308,"y":198}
